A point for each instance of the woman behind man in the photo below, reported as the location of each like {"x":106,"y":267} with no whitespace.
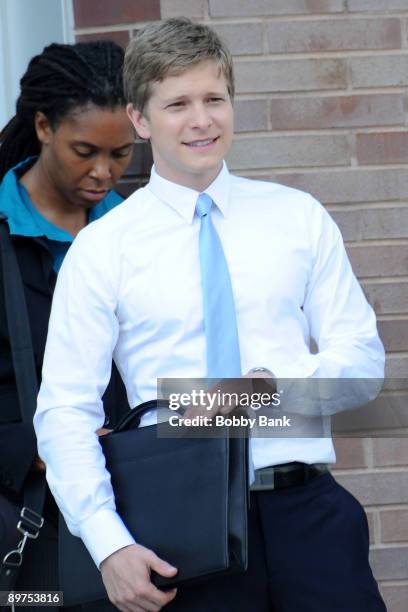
{"x":60,"y":157}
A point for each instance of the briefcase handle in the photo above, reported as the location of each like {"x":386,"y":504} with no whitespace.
{"x":131,"y":420}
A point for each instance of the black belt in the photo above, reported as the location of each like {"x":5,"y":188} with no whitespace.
{"x":286,"y":475}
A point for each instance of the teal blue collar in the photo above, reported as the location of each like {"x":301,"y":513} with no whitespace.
{"x":25,"y":220}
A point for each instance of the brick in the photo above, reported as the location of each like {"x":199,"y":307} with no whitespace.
{"x":337,"y":111}
{"x":371,"y":526}
{"x":183,"y":8}
{"x":376,"y":5}
{"x":288,"y":151}
{"x":349,"y":453}
{"x":394,"y":334}
{"x":352,"y":185}
{"x":290,"y":75}
{"x":93,"y":13}
{"x":241,"y":38}
{"x":396,"y":384}
{"x":380,"y":260}
{"x":120,"y":37}
{"x":377,"y":488}
{"x":333,"y":35}
{"x":395,"y":597}
{"x":378,"y":418}
{"x":390,"y":452}
{"x":372,"y":223}
{"x":257,"y":8}
{"x":251,"y":115}
{"x":382,"y":148}
{"x":387,"y":298}
{"x":394,"y":525}
{"x":390,"y":563}
{"x":396,"y":367}
{"x":379,"y":71}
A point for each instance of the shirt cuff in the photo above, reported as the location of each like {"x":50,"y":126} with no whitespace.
{"x":103,"y":534}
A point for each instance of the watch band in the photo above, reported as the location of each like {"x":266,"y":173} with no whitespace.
{"x":262,"y":369}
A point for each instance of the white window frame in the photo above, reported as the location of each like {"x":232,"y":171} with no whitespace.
{"x":26,"y":27}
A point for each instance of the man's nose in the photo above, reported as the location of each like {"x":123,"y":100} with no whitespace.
{"x":101,"y":169}
{"x":201,"y":117}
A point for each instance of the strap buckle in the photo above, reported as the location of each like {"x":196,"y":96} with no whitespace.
{"x":30,"y":523}
{"x":14,"y":558}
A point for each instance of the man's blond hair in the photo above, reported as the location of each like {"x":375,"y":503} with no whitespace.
{"x":169,"y":48}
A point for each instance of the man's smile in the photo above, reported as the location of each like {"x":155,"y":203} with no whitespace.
{"x":202,"y":143}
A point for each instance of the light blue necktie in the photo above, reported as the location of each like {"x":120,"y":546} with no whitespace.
{"x":223,"y":356}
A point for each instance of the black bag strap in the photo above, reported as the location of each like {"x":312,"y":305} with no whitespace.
{"x":22,"y":353}
{"x":19,"y":328}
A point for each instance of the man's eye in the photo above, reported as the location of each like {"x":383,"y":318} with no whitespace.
{"x":176,"y":105}
{"x":216,"y":99}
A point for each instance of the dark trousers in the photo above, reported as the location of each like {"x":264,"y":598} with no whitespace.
{"x":308,"y":552}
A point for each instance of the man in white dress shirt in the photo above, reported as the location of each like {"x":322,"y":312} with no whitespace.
{"x":130,"y":286}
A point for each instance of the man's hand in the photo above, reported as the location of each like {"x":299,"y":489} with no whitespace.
{"x":38,"y":465}
{"x":231,"y":388}
{"x":262,"y":381}
{"x":126,"y":576}
{"x":103,"y":431}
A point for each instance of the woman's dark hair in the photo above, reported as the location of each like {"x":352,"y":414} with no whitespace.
{"x":61,"y":78}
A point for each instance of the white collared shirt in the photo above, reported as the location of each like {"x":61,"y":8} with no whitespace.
{"x":130,"y":285}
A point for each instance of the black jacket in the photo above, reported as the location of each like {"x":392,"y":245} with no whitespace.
{"x":17,"y":440}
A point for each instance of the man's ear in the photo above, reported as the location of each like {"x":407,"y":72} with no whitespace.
{"x":139,"y":121}
{"x":43,"y":128}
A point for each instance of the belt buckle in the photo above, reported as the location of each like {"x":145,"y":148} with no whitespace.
{"x":264,"y":480}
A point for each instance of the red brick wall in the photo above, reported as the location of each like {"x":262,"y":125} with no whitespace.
{"x":322,"y":105}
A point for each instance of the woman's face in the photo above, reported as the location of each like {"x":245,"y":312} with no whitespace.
{"x":86,"y":154}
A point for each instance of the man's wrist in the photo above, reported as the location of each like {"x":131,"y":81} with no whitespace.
{"x":115,"y":536}
{"x":263,"y":380}
{"x":262,"y":369}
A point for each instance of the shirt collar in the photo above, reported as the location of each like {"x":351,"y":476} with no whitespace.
{"x":183,"y":199}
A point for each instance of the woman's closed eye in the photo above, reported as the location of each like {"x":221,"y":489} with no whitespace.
{"x":122,"y":152}
{"x":83,"y":152}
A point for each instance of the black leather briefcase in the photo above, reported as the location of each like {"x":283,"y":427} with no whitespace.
{"x":185,"y":498}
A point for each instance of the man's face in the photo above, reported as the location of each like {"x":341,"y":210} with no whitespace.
{"x":189,"y":121}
